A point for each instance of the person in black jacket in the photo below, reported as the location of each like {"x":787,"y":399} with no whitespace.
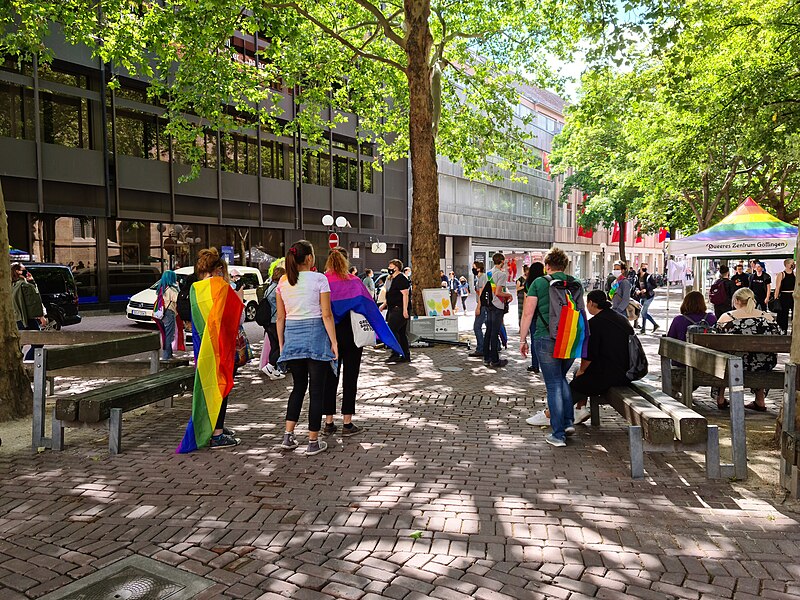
{"x":727,"y":292}
{"x":645,"y":286}
{"x":608,"y":359}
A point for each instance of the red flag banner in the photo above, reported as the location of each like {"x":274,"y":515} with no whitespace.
{"x":638,"y":235}
{"x":663,"y":234}
{"x":615,"y":234}
{"x":546,"y":163}
{"x":587,"y":233}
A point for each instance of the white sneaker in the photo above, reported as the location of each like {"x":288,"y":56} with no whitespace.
{"x":540,"y":419}
{"x":582,"y":414}
{"x":569,"y":430}
{"x":272,"y":372}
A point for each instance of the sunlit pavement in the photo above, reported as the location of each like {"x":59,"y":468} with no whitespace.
{"x":446,"y":494}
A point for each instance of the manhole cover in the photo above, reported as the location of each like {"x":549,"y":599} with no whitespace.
{"x":451,"y":369}
{"x":134,"y":578}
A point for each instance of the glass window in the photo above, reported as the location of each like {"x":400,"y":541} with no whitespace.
{"x":16,"y":112}
{"x":55,"y":241}
{"x":366,"y":177}
{"x":353,"y":170}
{"x":272,"y":160}
{"x":340,"y":172}
{"x":65,"y":120}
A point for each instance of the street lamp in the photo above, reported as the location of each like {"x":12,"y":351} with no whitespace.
{"x":603,"y":259}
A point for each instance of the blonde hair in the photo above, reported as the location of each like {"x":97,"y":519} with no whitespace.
{"x":337,"y":263}
{"x":744,"y":297}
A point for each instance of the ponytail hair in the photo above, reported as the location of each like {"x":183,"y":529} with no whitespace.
{"x":295,"y":257}
{"x":337,"y":263}
{"x":744,"y":297}
{"x":599,"y":298}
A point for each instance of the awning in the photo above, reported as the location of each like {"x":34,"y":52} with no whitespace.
{"x":747,"y":231}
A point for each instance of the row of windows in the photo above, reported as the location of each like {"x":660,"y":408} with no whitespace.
{"x":65,"y":120}
{"x":455,"y":193}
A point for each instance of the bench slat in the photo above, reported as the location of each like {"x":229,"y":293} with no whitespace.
{"x":95,"y":406}
{"x":81,"y":354}
{"x":657,"y":426}
{"x":742,"y":343}
{"x":704,"y":359}
{"x":70,"y":338}
{"x":690,"y":426}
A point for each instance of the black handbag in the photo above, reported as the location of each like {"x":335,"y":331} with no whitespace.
{"x":774,"y":305}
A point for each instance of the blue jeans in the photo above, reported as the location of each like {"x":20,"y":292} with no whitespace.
{"x":534,"y":357}
{"x":491,"y":344}
{"x":645,"y":314}
{"x":169,"y":333}
{"x":480,"y":321}
{"x":559,"y":396}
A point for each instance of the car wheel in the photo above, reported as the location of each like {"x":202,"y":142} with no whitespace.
{"x":250,"y":311}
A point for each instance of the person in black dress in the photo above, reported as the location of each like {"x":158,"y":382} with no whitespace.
{"x":396,"y":305}
{"x":608,"y":360}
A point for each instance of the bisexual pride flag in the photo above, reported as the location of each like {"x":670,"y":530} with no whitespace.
{"x":216,"y":312}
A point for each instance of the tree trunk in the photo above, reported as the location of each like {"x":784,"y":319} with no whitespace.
{"x":16,"y":397}
{"x":424,"y":170}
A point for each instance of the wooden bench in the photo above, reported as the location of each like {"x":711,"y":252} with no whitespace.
{"x":657,"y":423}
{"x":730,"y":343}
{"x":726,"y":368}
{"x":63,"y":352}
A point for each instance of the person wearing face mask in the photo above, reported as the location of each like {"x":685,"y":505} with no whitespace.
{"x":760,"y":283}
{"x":646,"y":293}
{"x":784,"y":288}
{"x":620,"y":292}
{"x":396,"y":307}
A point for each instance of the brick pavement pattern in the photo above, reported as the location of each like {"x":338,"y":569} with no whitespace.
{"x":500,"y":513}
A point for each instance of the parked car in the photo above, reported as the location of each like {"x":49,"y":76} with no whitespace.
{"x":140,"y":306}
{"x":59,"y":294}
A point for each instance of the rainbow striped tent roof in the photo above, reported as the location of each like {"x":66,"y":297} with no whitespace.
{"x":749,"y":230}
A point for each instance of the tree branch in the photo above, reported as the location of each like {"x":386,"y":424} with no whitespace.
{"x":388,"y":30}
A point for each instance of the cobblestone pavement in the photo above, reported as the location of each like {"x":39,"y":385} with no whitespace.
{"x":447,"y":494}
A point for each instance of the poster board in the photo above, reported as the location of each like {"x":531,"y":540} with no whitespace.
{"x":437,"y":302}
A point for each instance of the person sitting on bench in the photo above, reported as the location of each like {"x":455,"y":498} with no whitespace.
{"x":608,"y":360}
{"x":746,"y":318}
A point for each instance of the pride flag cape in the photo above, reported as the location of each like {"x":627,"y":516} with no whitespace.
{"x":351,"y":294}
{"x":572,"y":340}
{"x":216,"y":312}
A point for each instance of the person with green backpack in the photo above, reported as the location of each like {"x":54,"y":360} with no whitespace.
{"x":556,"y":283}
{"x":28,"y":307}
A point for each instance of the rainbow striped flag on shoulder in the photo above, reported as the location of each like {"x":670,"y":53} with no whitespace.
{"x":216,"y":312}
{"x":572,"y":340}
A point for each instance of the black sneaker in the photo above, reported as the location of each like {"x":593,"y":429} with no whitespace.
{"x":499,"y":364}
{"x":329,"y":429}
{"x":475,"y":354}
{"x":289,"y":442}
{"x":393,"y":359}
{"x":223,"y":441}
{"x":348,"y":431}
{"x":532,"y":369}
{"x":229,"y":432}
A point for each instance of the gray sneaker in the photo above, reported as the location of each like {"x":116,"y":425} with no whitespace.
{"x":316,"y":447}
{"x":554,"y":441}
{"x":569,"y":430}
{"x":289,"y":443}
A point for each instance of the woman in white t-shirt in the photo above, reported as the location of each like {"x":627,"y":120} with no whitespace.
{"x":307,"y":337}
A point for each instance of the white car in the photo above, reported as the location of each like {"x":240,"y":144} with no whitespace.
{"x":140,"y":306}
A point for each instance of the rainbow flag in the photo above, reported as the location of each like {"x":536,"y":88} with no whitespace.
{"x":216,"y":312}
{"x":572,"y":340}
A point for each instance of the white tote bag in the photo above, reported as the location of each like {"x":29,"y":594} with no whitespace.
{"x":363,"y":333}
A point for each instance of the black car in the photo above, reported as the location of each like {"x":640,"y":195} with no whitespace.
{"x":59,"y":294}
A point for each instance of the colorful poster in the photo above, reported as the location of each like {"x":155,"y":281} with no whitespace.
{"x":437,"y":302}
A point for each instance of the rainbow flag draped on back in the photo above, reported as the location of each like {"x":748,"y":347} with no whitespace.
{"x":572,"y":340}
{"x":216,"y":312}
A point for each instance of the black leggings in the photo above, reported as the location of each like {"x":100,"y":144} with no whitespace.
{"x":464,"y":302}
{"x":350,"y":363}
{"x":398,"y":324}
{"x":787,"y":304}
{"x":307,"y":373}
{"x":222,"y":410}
